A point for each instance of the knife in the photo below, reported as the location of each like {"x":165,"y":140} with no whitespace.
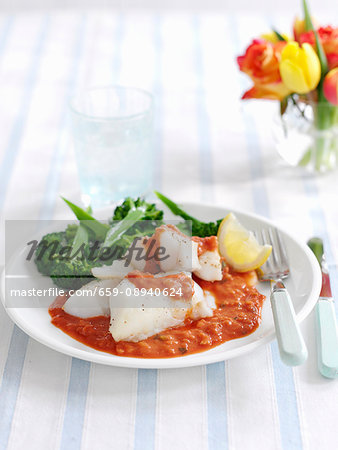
{"x":326,"y":323}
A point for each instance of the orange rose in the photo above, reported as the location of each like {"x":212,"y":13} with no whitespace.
{"x":328,"y":37}
{"x":261,"y":63}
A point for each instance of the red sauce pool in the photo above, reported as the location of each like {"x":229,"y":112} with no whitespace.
{"x":206,"y":244}
{"x":238,"y":314}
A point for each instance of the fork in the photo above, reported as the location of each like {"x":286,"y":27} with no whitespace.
{"x":292,"y":348}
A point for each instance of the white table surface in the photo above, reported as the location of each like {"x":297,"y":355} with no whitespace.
{"x":210,"y":147}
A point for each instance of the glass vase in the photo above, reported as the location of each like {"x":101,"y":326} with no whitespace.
{"x":306,"y":135}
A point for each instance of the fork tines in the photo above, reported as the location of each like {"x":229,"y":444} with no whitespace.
{"x":277,"y":263}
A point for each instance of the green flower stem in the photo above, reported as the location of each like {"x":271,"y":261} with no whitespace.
{"x":324,"y":120}
{"x":335,"y":135}
{"x":335,"y":115}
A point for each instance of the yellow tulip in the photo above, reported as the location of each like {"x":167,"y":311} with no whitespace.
{"x":299,"y":67}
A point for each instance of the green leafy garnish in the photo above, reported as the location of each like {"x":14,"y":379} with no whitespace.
{"x":198,"y":228}
{"x":71,"y":269}
{"x":99,"y":229}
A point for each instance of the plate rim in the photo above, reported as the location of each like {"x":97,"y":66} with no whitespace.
{"x":196,"y":359}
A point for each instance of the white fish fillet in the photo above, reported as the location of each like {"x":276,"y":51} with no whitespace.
{"x":117,"y":270}
{"x":180,"y":255}
{"x":87,"y":301}
{"x":136,"y":324}
{"x":181,"y":250}
{"x":203,"y":303}
{"x":210,"y":266}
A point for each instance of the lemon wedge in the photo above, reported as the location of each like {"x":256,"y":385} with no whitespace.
{"x":239,"y":247}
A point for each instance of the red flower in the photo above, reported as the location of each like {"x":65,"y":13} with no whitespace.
{"x":261,"y":63}
{"x":330,"y":87}
{"x":328,"y":37}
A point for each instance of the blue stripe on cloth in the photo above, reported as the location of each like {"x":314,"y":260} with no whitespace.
{"x":203,"y":121}
{"x":11,"y":382}
{"x":53,"y":179}
{"x":284,"y":380}
{"x":217,"y":407}
{"x":76,"y":405}
{"x":215,"y":373}
{"x":260,"y":198}
{"x":4,"y":33}
{"x":13,"y":145}
{"x":117,"y":57}
{"x":145,"y":417}
{"x":17,"y":349}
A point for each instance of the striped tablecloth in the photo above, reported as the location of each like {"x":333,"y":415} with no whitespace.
{"x":209,"y":147}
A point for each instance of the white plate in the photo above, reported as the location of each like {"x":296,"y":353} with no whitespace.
{"x":303,"y":284}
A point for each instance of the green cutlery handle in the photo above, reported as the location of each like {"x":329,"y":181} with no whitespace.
{"x":292,"y":348}
{"x":327,"y":338}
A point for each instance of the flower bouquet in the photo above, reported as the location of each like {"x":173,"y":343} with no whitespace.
{"x":302,"y":73}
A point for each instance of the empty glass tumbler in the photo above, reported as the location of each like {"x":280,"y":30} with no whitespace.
{"x":112,"y":135}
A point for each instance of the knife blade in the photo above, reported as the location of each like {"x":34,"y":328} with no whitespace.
{"x":326,"y":323}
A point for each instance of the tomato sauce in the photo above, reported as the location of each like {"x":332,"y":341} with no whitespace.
{"x":238,"y":314}
{"x":206,"y":244}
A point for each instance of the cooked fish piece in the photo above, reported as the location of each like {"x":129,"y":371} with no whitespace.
{"x":209,"y":259}
{"x":138,"y":323}
{"x":167,"y":250}
{"x":137,"y":257}
{"x":180,"y":250}
{"x":210,"y":266}
{"x":117,"y":270}
{"x":88,"y":301}
{"x":203,"y":303}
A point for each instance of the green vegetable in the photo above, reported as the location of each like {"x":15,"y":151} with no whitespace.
{"x":81,"y":239}
{"x":68,"y":273}
{"x":99,"y":229}
{"x":120,"y":227}
{"x":71,"y":269}
{"x":198,"y":228}
{"x":71,"y":231}
{"x":150,"y":210}
{"x":129,"y":215}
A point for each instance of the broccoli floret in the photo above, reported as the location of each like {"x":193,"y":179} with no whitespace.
{"x":151,"y":219}
{"x":71,"y":274}
{"x":150,"y":210}
{"x":71,"y":232}
{"x":204,"y":229}
{"x":67,"y":273}
{"x":47,"y":251}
